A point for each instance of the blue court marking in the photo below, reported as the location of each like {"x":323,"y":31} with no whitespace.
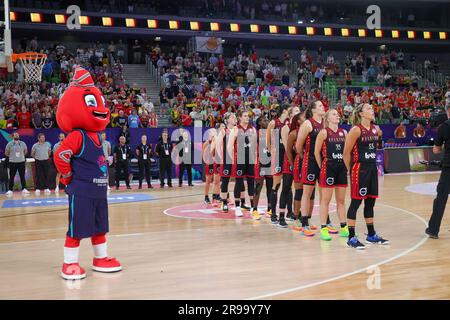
{"x":62,"y":201}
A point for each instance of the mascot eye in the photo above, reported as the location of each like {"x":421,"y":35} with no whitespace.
{"x":90,"y":100}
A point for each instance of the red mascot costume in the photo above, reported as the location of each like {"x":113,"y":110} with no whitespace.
{"x":82,"y":114}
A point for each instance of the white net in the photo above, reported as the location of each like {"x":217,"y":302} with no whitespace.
{"x":32,"y":65}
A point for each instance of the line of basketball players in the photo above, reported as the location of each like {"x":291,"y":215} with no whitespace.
{"x":304,"y":149}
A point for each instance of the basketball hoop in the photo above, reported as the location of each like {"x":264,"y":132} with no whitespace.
{"x":32,"y":63}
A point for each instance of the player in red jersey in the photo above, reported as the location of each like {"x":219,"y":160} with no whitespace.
{"x":275,"y":145}
{"x":360,"y":157}
{"x":242,"y":144}
{"x":333,"y":174}
{"x":305,"y":144}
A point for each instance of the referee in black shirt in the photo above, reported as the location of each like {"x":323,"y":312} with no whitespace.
{"x":122,"y":154}
{"x":143,"y":152}
{"x":443,"y":187}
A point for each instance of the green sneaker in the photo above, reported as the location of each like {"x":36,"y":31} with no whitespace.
{"x":324,"y":234}
{"x":344,"y":232}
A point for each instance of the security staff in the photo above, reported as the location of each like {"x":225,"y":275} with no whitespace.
{"x":185,"y":149}
{"x":122,"y":154}
{"x":41,"y":151}
{"x":15,"y":151}
{"x":144,"y":151}
{"x":443,"y":187}
{"x":164,"y":151}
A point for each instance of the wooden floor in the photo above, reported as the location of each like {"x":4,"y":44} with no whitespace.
{"x":167,"y":257}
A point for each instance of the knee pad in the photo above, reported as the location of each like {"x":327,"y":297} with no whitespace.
{"x":224,"y":185}
{"x":369,"y":203}
{"x":251,"y":186}
{"x":298,"y":195}
{"x":238,"y":187}
{"x":283,"y":200}
{"x":353,"y":209}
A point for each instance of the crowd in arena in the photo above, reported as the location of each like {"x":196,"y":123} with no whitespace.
{"x":201,"y":89}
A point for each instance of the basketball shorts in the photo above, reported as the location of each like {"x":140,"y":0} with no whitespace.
{"x":310,"y":171}
{"x":333,"y":174}
{"x":278,"y":161}
{"x":211,"y":169}
{"x":246,"y":170}
{"x":87,"y":216}
{"x":225,"y":170}
{"x":364,"y":181}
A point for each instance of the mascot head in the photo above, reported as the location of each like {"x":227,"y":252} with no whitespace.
{"x":82,"y":106}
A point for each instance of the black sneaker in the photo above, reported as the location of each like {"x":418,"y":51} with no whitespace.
{"x":162,"y":186}
{"x":244,"y":207}
{"x":282,"y":223}
{"x":376,"y":239}
{"x":354,"y":243}
{"x":207,"y":201}
{"x":150,"y":187}
{"x":128,"y":187}
{"x":274,"y":218}
{"x":290,"y":216}
{"x":224,"y":206}
{"x":431,"y":235}
{"x":140,"y":187}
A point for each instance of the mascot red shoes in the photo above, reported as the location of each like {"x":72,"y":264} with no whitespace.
{"x":82,"y":114}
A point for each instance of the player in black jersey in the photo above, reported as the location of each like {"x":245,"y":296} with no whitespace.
{"x":333,"y":174}
{"x":225,"y":158}
{"x":263,"y":168}
{"x":276,"y":147}
{"x":360,"y":157}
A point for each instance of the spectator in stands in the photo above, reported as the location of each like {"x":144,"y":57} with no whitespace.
{"x":24,"y":118}
{"x":16,"y":151}
{"x":137,"y":52}
{"x":41,"y":151}
{"x":133,"y":120}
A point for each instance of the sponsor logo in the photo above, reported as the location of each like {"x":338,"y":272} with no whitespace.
{"x":337,"y":156}
{"x":370,"y":155}
{"x":226,"y":172}
{"x":330,"y":181}
{"x":311,"y":177}
{"x":239,"y":172}
{"x":277,"y":169}
{"x":363,"y":192}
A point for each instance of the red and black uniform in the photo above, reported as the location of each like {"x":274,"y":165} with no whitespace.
{"x":364,"y":175}
{"x":263,"y":163}
{"x":296,"y":170}
{"x":226,"y":163}
{"x":333,"y":172}
{"x":287,"y":168}
{"x":210,"y":161}
{"x":244,"y":155}
{"x":310,"y":169}
{"x":278,"y":151}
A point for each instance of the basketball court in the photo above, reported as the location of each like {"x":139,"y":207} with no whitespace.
{"x":172,"y":246}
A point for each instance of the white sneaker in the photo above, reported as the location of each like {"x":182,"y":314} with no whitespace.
{"x":238,"y":212}
{"x":109,"y":188}
{"x":37,"y":192}
{"x":47,"y":191}
{"x":57,"y":190}
{"x":25,"y":191}
{"x":9,"y":193}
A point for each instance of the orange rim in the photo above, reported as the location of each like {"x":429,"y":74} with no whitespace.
{"x":27,"y":55}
